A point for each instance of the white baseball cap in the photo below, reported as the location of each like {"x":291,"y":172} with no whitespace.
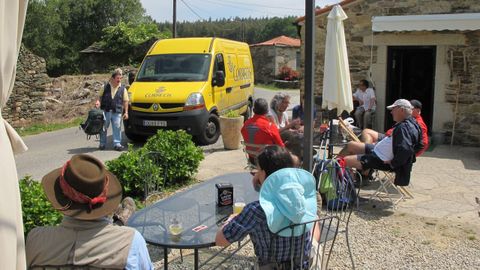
{"x":401,"y":103}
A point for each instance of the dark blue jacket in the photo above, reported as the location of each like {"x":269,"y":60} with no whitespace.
{"x":406,"y":139}
{"x":108,"y":104}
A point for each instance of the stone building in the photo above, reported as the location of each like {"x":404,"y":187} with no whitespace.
{"x":28,"y":99}
{"x":270,"y":56}
{"x":423,"y":49}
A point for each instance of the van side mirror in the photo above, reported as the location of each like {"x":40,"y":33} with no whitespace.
{"x":219,"y":79}
{"x":131,"y":77}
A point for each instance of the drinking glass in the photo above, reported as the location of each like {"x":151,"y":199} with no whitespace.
{"x":238,"y":206}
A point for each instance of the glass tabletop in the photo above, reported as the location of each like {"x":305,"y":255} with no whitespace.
{"x":191,"y":208}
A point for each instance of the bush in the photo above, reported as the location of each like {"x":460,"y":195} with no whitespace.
{"x":37,"y":210}
{"x":287,"y":74}
{"x":167,"y":159}
{"x":231,"y":114}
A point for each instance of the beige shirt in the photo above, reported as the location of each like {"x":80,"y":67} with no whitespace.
{"x":114,"y":91}
{"x":95,"y":243}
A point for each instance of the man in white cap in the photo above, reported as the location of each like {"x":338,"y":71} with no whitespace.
{"x":393,"y":153}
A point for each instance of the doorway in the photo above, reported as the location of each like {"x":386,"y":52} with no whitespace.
{"x":411,"y":75}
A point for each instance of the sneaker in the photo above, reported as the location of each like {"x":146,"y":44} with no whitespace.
{"x":101,"y":147}
{"x":118,"y":147}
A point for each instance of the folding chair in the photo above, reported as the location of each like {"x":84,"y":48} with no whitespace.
{"x":388,"y":190}
{"x":309,"y":248}
{"x":339,"y":192}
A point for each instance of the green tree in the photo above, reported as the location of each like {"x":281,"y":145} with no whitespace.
{"x":59,"y":29}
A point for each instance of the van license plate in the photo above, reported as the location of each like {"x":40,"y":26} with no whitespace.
{"x":154,"y":123}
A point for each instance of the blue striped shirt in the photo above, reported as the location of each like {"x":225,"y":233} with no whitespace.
{"x":252,"y":221}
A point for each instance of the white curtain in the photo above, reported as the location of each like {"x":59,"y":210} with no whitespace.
{"x":12,"y":246}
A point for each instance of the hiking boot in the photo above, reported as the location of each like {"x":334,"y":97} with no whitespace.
{"x":124,"y":210}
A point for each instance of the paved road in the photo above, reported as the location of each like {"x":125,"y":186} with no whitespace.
{"x":49,"y":150}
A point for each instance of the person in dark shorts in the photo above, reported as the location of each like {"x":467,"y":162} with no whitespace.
{"x":393,"y":153}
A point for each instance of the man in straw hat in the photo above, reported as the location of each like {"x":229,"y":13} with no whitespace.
{"x":393,"y":153}
{"x":287,"y":195}
{"x":86,"y":193}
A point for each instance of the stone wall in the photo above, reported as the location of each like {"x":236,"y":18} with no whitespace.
{"x":27,"y":101}
{"x":460,"y":47}
{"x":263,"y":58}
{"x":267,"y":61}
{"x":464,"y":62}
{"x":285,"y":56}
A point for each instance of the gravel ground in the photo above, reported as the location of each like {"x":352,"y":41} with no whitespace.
{"x":380,"y":239}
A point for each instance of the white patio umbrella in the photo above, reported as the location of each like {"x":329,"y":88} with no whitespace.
{"x":337,"y":89}
{"x":12,"y":255}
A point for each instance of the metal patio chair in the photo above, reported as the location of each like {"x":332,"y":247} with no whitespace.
{"x":321,"y":238}
{"x":252,"y":151}
{"x":153,"y":189}
{"x":339,"y":193}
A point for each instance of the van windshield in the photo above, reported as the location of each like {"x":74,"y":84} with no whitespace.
{"x":175,"y":68}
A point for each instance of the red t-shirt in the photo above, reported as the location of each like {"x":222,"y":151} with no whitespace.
{"x":259,"y":130}
{"x":423,"y":126}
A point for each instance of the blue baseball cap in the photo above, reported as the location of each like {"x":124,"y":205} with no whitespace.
{"x":288,"y":196}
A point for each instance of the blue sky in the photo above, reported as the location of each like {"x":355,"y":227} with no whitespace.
{"x":192,"y":10}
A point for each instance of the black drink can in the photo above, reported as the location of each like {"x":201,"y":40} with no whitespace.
{"x":224,"y":194}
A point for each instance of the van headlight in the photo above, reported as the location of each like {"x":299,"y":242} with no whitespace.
{"x":194,"y":102}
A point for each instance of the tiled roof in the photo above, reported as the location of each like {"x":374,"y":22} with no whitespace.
{"x":325,"y":9}
{"x":281,"y":41}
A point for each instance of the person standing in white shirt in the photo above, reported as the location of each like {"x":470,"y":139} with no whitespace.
{"x":366,"y":98}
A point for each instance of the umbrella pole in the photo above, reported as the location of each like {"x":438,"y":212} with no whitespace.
{"x":309,"y":83}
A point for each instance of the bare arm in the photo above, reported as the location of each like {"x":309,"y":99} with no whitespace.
{"x":125,"y":106}
{"x":220,"y":239}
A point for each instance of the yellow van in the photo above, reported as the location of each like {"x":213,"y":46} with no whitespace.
{"x":186,"y":83}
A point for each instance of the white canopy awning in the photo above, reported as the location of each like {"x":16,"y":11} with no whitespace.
{"x":437,"y":22}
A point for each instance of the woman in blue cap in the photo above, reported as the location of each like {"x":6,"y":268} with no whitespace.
{"x":287,"y":196}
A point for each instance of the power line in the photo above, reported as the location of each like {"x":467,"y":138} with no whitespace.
{"x":240,"y":7}
{"x":193,"y":11}
{"x":259,"y":5}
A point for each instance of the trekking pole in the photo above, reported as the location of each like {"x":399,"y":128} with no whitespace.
{"x":456,"y":110}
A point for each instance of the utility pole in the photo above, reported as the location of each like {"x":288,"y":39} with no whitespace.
{"x":174,"y":24}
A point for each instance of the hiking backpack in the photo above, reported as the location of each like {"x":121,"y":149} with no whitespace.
{"x":94,"y":123}
{"x":335,"y":184}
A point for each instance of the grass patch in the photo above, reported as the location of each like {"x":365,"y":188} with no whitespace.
{"x":271,"y":86}
{"x":46,"y":127}
{"x":471,"y":237}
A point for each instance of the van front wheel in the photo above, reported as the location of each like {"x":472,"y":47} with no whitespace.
{"x":211,"y":132}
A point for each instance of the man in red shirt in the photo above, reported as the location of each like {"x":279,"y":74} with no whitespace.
{"x":370,"y":136}
{"x":259,"y":129}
